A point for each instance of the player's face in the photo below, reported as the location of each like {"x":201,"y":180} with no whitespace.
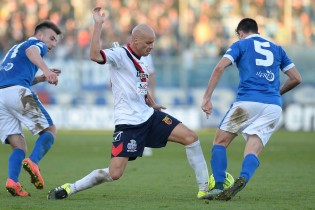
{"x":145,"y":44}
{"x":50,"y":37}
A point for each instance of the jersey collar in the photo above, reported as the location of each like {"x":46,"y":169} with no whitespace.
{"x":129,"y":48}
{"x":252,"y":35}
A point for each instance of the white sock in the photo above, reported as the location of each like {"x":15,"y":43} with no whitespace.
{"x":96,"y":177}
{"x":198,"y":163}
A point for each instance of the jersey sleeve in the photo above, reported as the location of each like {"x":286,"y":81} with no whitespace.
{"x":286,"y":62}
{"x":113,"y":56}
{"x":233,"y":52}
{"x":43,"y":49}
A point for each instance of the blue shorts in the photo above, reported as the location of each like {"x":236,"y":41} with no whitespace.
{"x":130,"y":140}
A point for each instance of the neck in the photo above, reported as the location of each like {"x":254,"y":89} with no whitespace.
{"x":133,"y":50}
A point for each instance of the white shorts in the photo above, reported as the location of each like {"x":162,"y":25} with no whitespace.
{"x":250,"y":118}
{"x":20,"y":105}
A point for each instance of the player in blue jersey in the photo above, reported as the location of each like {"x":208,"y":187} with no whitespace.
{"x":20,"y":105}
{"x":257,"y":109}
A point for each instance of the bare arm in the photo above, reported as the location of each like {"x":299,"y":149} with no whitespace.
{"x":213,"y":81}
{"x":34,"y":56}
{"x":150,"y":102}
{"x":294,"y":79}
{"x":152,"y":85}
{"x":99,"y":19}
{"x":42,"y":77}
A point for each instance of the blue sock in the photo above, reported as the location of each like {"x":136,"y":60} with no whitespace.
{"x":42,"y":146}
{"x":249,"y":166}
{"x":218,"y":162}
{"x":15,"y":164}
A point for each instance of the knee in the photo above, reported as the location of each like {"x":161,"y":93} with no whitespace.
{"x":115,"y":174}
{"x":51,"y":129}
{"x":190,"y":137}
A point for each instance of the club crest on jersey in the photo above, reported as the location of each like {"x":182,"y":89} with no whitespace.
{"x":132,"y":146}
{"x":167,"y":120}
{"x":142,"y":75}
{"x":269,"y":75}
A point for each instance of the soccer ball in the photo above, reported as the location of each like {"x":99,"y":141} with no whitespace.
{"x":228,"y":182}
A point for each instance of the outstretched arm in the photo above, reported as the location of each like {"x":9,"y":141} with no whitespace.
{"x":206,"y":105}
{"x":33,"y":55}
{"x":293,"y":80}
{"x":99,"y":18}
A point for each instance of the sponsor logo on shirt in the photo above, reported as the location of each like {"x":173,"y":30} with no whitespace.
{"x":167,"y":120}
{"x":142,"y":75}
{"x":269,"y":75}
{"x":132,"y":146}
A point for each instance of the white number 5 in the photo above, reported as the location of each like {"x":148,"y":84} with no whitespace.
{"x":269,"y":56}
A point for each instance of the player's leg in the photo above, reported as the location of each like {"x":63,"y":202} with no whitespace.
{"x":183,"y":135}
{"x":35,"y":117}
{"x":41,"y":147}
{"x":18,"y":146}
{"x":43,"y":144}
{"x":11,"y":133}
{"x":219,"y":157}
{"x":96,"y":177}
{"x":257,"y":134}
{"x":250,"y":163}
{"x":219,"y":161}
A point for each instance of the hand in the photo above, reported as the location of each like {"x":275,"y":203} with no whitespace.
{"x":99,"y":15}
{"x":158,"y":107}
{"x":206,"y":107}
{"x":51,"y":77}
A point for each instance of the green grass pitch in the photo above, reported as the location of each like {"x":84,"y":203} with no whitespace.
{"x":284,"y":179}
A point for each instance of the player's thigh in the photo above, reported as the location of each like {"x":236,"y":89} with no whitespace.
{"x":26,"y":107}
{"x":265,"y":124}
{"x":9,"y":125}
{"x":183,"y":135}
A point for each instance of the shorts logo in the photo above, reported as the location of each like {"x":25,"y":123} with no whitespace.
{"x":167,"y":120}
{"x":132,"y":146}
{"x":117,"y":136}
{"x":117,"y":150}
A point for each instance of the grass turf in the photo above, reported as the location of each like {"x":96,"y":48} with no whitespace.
{"x":284,"y":179}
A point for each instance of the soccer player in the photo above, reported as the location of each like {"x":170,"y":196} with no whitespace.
{"x":138,"y":120}
{"x":257,"y":109}
{"x":19,"y":104}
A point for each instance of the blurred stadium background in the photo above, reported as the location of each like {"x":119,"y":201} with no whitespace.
{"x":192,"y":35}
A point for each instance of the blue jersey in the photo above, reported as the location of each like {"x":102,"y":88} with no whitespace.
{"x":16,"y":68}
{"x":259,"y":63}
